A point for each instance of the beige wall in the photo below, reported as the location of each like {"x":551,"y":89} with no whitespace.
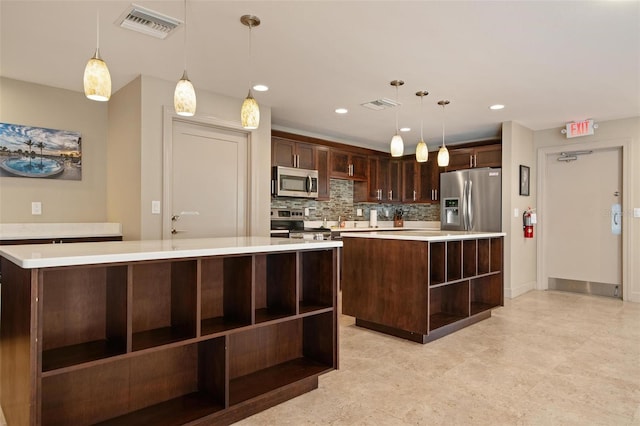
{"x":520,"y":252}
{"x":122,"y":155}
{"x":124,"y":159}
{"x":153,"y":95}
{"x":62,"y":200}
{"x":624,"y":133}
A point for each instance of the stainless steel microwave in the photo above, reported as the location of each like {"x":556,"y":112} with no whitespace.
{"x":292,"y":182}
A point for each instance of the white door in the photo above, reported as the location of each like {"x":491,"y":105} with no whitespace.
{"x":209,"y":177}
{"x":582,"y":243}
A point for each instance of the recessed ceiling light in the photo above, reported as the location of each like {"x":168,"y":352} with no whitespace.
{"x":341,"y":110}
{"x":405,"y":129}
{"x":260,"y":88}
{"x":496,"y":107}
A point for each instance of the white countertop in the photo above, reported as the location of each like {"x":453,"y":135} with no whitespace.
{"x":26,"y":231}
{"x":434,"y":235}
{"x":50,"y":255}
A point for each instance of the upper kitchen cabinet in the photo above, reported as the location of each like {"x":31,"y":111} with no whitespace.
{"x":475,"y":157}
{"x":322,"y":162}
{"x":348,"y":165}
{"x":379,"y":186}
{"x":288,"y":153}
{"x":420,"y":181}
{"x":428,"y":176}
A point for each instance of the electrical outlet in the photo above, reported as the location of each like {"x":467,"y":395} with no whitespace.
{"x":36,"y":208}
{"x":155,"y":207}
{"x":636,"y":212}
{"x":358,"y":212}
{"x":516,"y":212}
{"x":306,"y":211}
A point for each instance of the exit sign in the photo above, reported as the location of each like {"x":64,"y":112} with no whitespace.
{"x":579,"y":128}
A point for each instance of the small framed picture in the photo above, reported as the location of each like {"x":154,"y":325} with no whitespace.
{"x":524,"y":180}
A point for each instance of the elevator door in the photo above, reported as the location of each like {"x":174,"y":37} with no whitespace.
{"x":583,"y":223}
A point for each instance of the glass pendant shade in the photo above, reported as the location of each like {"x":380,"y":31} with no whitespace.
{"x":97,"y":80}
{"x":397,"y":146}
{"x":250,"y":113}
{"x":443,"y":156}
{"x":422,"y":152}
{"x":184,"y":98}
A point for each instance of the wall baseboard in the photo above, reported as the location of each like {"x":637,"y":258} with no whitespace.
{"x":513,"y":292}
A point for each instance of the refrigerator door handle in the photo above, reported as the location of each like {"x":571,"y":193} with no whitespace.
{"x":464,"y":206}
{"x":469,"y":209}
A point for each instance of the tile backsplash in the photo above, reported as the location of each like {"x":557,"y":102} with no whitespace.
{"x":341,"y":204}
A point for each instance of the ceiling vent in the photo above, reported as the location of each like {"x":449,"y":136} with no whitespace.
{"x":380,"y":104}
{"x":149,"y":22}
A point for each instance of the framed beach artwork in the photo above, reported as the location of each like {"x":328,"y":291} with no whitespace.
{"x":38,"y":152}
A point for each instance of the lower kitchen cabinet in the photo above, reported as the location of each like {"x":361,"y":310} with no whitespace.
{"x":206,"y":340}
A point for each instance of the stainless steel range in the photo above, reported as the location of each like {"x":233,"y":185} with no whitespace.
{"x":289,"y":223}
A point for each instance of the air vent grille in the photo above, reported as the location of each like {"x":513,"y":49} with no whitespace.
{"x":380,"y":104}
{"x":149,"y":22}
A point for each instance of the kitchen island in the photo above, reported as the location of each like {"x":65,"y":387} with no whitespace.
{"x":200,"y":331}
{"x":421,"y":285}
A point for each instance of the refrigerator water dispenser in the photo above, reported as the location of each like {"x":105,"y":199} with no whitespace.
{"x":451,"y":213}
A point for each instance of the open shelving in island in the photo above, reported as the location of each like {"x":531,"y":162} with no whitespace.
{"x":195,"y":332}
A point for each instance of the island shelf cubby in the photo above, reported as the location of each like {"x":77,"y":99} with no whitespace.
{"x":200,"y":340}
{"x":225,"y":293}
{"x":84,"y":318}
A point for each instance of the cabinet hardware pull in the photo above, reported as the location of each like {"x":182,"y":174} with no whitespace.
{"x":414,"y":195}
{"x":391,"y":194}
{"x":471,"y":161}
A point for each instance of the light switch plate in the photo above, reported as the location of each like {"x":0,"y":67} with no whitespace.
{"x":358,"y":212}
{"x":306,"y":211}
{"x":516,"y":212}
{"x":36,"y":208}
{"x":155,"y":207}
{"x":636,"y":212}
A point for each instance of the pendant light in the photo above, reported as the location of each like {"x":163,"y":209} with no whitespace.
{"x":97,"y":81}
{"x":184,"y":97}
{"x":443,"y":154}
{"x":422,"y":151}
{"x":250,"y":111}
{"x":397,"y":145}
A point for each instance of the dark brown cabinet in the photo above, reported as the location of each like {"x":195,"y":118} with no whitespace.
{"x":322,"y":165}
{"x":474,"y":157}
{"x":290,"y":153}
{"x":376,"y":187}
{"x":410,"y":183}
{"x":439,"y":286}
{"x":420,"y":181}
{"x":348,"y":165}
{"x":428,"y":176}
{"x":205,"y":340}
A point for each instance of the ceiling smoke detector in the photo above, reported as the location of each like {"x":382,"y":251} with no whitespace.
{"x":149,"y":22}
{"x":380,"y":104}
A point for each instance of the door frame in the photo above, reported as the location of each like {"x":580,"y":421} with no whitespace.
{"x":627,"y":221}
{"x":169,"y":117}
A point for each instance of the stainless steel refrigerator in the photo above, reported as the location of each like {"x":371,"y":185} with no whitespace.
{"x":471,"y":200}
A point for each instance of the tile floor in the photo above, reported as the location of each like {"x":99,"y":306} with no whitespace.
{"x":545,"y":358}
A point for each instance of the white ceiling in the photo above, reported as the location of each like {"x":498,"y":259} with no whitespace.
{"x":549,"y":62}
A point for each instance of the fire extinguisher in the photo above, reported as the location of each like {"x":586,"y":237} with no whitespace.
{"x":528,"y":220}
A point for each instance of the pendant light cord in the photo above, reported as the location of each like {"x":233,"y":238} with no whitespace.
{"x":185,"y":36}
{"x":397,"y":131}
{"x":421,"y":119}
{"x":443,"y":125}
{"x":97,"y":30}
{"x":250,"y":28}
